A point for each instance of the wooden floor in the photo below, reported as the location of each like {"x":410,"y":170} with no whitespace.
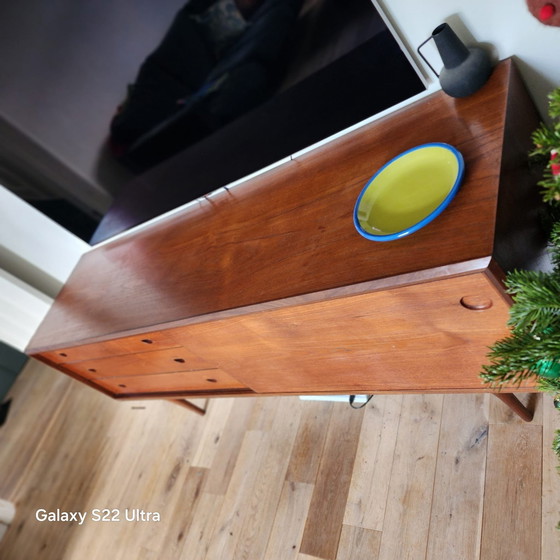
{"x":414,"y":477}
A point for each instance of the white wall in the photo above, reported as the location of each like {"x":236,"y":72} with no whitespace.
{"x":65,"y":66}
{"x":36,"y":258}
{"x":505,"y":26}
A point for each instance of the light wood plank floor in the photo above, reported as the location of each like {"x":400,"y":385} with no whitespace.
{"x":453,"y":477}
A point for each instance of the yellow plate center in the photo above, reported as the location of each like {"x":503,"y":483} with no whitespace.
{"x":408,"y":190}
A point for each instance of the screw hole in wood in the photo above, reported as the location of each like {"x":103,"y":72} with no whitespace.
{"x":147,"y":341}
{"x":211,"y":380}
{"x":179,"y":360}
{"x":123,"y":386}
{"x":92,"y":370}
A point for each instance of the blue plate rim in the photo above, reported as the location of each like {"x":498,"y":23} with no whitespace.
{"x":432,"y":215}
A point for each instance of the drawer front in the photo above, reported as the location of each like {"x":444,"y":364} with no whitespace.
{"x":430,"y":337}
{"x":179,"y":382}
{"x":126,"y":345}
{"x":158,"y":361}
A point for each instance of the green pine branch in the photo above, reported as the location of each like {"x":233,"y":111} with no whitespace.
{"x":550,"y":187}
{"x":547,"y":385}
{"x":556,"y":443}
{"x":519,"y":356}
{"x":535,"y":326}
{"x":537,"y":300}
{"x":554,"y":103}
{"x":532,"y":350}
{"x":546,"y":139}
{"x":554,"y":248}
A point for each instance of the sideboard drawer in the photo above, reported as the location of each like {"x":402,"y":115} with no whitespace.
{"x":116,"y":347}
{"x":158,"y":361}
{"x":178,"y":382}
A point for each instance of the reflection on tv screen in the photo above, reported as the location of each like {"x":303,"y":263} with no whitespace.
{"x":238,"y":85}
{"x":270,"y":76}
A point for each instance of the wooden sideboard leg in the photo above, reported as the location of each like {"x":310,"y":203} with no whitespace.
{"x":513,"y":402}
{"x":187,"y":404}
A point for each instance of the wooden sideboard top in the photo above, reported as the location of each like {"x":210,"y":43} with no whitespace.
{"x":289,"y":232}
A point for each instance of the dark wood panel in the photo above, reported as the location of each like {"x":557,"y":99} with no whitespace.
{"x":520,"y":236}
{"x":290,"y":232}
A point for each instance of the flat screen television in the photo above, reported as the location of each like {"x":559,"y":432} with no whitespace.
{"x":340,"y":64}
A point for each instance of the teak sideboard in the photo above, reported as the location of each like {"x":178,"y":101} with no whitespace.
{"x":266,"y":288}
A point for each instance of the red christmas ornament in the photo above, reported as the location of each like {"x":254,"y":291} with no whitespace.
{"x":555,"y":163}
{"x":547,"y":12}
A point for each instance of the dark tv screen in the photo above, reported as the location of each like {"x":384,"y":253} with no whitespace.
{"x":320,"y":67}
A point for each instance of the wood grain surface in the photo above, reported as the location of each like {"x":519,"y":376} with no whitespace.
{"x":289,"y":232}
{"x":326,"y":511}
{"x":520,"y":444}
{"x":456,"y":514}
{"x":412,"y":338}
{"x":178,"y":382}
{"x":551,"y":480}
{"x":142,"y":363}
{"x":425,"y":477}
{"x":267,"y":287}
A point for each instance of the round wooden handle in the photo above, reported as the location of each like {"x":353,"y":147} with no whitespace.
{"x":476,"y":303}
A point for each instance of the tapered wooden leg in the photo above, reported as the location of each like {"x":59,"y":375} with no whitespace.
{"x":187,"y":404}
{"x":513,"y":402}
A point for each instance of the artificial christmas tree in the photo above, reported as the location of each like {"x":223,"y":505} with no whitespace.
{"x":533,"y":347}
{"x":547,"y":145}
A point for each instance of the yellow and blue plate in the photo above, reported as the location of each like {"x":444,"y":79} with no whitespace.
{"x":409,"y":191}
